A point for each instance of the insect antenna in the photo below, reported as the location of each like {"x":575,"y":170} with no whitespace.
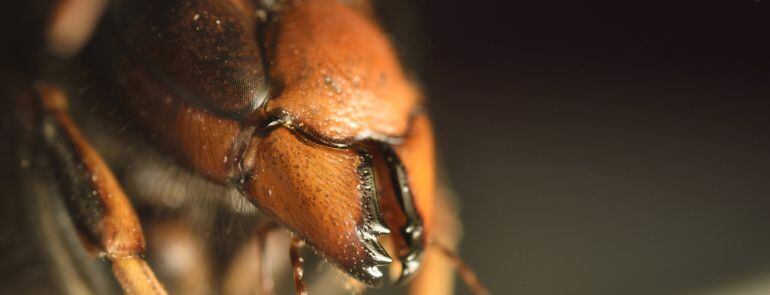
{"x":466,"y":273}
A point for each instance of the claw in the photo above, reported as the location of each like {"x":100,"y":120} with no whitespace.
{"x":327,"y":196}
{"x":374,"y":224}
{"x":406,"y":179}
{"x":412,"y":230}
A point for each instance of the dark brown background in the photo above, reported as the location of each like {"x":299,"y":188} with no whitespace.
{"x":599,"y":147}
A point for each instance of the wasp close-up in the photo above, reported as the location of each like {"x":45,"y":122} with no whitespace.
{"x":385,"y":147}
{"x":197,"y":147}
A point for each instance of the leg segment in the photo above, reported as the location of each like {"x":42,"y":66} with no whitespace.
{"x":99,"y":207}
{"x":296,"y":265}
{"x":179,"y":256}
{"x":254,"y":260}
{"x":135,"y":276}
{"x":265,"y":269}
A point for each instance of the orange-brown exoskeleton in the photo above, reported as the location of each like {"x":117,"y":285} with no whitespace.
{"x":302,"y":107}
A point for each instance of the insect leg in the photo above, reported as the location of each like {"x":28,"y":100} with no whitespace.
{"x":251,"y":268}
{"x":98,"y":206}
{"x":296,"y":265}
{"x":180,"y":257}
{"x":265,"y":269}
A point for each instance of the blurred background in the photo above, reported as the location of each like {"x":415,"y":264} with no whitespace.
{"x":606,"y":147}
{"x":598,"y":147}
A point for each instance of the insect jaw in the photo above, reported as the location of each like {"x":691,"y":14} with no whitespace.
{"x":326,"y":195}
{"x":373,"y":224}
{"x":413,"y":230}
{"x":372,"y":274}
{"x":411,"y":262}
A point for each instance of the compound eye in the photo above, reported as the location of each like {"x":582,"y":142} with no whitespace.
{"x":208,"y":52}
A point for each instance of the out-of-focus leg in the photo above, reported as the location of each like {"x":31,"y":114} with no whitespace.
{"x":296,"y":265}
{"x":179,"y":257}
{"x":255,"y":260}
{"x":98,"y":206}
